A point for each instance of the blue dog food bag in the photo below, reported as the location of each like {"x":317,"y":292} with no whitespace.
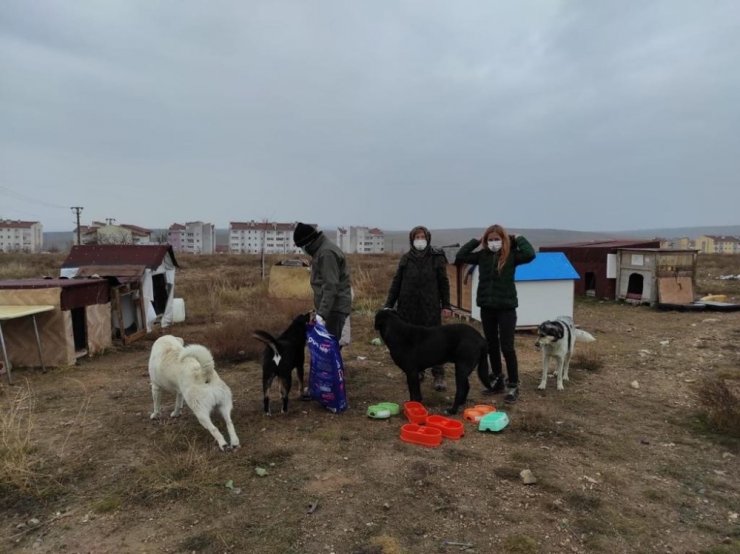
{"x":326,"y":375}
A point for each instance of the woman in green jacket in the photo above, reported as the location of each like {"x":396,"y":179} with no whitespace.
{"x":497,"y":259}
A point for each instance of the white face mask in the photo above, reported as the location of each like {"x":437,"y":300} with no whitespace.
{"x":495,"y":245}
{"x":420,"y":244}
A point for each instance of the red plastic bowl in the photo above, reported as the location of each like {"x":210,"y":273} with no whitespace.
{"x":415,"y":412}
{"x":421,"y":435}
{"x":451,"y":428}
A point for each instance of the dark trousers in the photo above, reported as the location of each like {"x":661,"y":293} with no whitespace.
{"x":335,"y":323}
{"x":499,"y":327}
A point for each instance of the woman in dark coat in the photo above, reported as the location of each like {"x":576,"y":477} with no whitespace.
{"x":497,"y":255}
{"x":420,"y":290}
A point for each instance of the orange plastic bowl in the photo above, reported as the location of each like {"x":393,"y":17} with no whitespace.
{"x":421,"y":435}
{"x":451,"y":428}
{"x":415,"y":412}
{"x":475,"y":413}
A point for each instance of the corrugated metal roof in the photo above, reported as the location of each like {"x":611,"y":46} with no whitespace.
{"x":75,"y":293}
{"x":121,"y":273}
{"x":48,"y":283}
{"x":149,"y":255}
{"x":547,"y":266}
{"x":16,"y":224}
{"x":617,"y":243}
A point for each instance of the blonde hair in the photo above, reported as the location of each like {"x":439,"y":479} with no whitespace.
{"x":499,"y":231}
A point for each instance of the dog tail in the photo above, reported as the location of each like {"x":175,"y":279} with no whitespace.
{"x":484,"y":372}
{"x":584,"y":336}
{"x":204,"y":358}
{"x":270,"y":341}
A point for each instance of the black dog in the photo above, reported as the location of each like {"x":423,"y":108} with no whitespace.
{"x":415,"y":348}
{"x":281,"y":356}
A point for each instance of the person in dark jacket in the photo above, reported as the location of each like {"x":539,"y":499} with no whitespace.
{"x":420,"y":290}
{"x":330,"y":279}
{"x":497,"y":259}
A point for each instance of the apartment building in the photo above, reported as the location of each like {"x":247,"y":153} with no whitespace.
{"x":718,"y":244}
{"x":21,"y":236}
{"x":108,"y":233}
{"x":195,"y":237}
{"x":252,"y":237}
{"x":361,"y":240}
{"x":681,"y":243}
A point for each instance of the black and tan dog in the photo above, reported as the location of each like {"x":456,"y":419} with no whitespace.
{"x":414,"y":348}
{"x":281,"y":356}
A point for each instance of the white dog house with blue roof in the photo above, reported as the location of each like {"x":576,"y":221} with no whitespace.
{"x":544,"y":287}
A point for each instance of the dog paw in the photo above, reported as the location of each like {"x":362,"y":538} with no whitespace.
{"x":560,"y":386}
{"x":542,"y":386}
{"x":155,"y":415}
{"x":175,"y":414}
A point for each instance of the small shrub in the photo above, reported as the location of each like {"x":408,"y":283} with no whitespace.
{"x":590,"y":360}
{"x":165,"y":475}
{"x":720,"y":405}
{"x":17,"y":461}
{"x":520,"y":544}
{"x":231,"y":339}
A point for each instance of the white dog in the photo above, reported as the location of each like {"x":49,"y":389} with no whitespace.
{"x":189,"y":372}
{"x":557,"y":339}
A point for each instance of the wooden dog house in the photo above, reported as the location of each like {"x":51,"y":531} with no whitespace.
{"x":79,"y":324}
{"x":656,"y":275}
{"x":596,"y":265}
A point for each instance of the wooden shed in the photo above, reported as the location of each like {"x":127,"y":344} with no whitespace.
{"x":656,"y":275}
{"x":79,"y":324}
{"x":596,"y":263}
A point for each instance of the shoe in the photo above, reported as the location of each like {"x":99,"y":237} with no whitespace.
{"x":439,"y":383}
{"x":497,"y":385}
{"x":512,"y":394}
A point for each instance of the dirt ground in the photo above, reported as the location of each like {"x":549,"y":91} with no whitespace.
{"x":623,"y":461}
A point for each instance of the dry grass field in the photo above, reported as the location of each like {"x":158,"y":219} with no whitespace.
{"x":640,"y":453}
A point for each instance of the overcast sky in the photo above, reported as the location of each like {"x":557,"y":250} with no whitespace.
{"x":587,"y":115}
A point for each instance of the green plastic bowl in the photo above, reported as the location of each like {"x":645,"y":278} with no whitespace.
{"x":394,"y":408}
{"x":383,"y":410}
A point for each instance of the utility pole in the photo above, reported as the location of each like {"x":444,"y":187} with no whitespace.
{"x":262,"y":259}
{"x":77,"y":210}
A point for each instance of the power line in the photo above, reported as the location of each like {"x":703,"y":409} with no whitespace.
{"x":26,"y":198}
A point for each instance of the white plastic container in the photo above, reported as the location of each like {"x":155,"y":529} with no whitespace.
{"x":178,"y":310}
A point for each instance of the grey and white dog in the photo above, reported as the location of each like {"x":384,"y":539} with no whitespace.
{"x":557,"y":339}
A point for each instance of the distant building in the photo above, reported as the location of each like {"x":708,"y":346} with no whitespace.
{"x":682,"y":243}
{"x":596,"y":263}
{"x":251,"y":237}
{"x":21,"y":236}
{"x":107,"y":233}
{"x":195,"y":237}
{"x":717,"y":244}
{"x":361,"y":240}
